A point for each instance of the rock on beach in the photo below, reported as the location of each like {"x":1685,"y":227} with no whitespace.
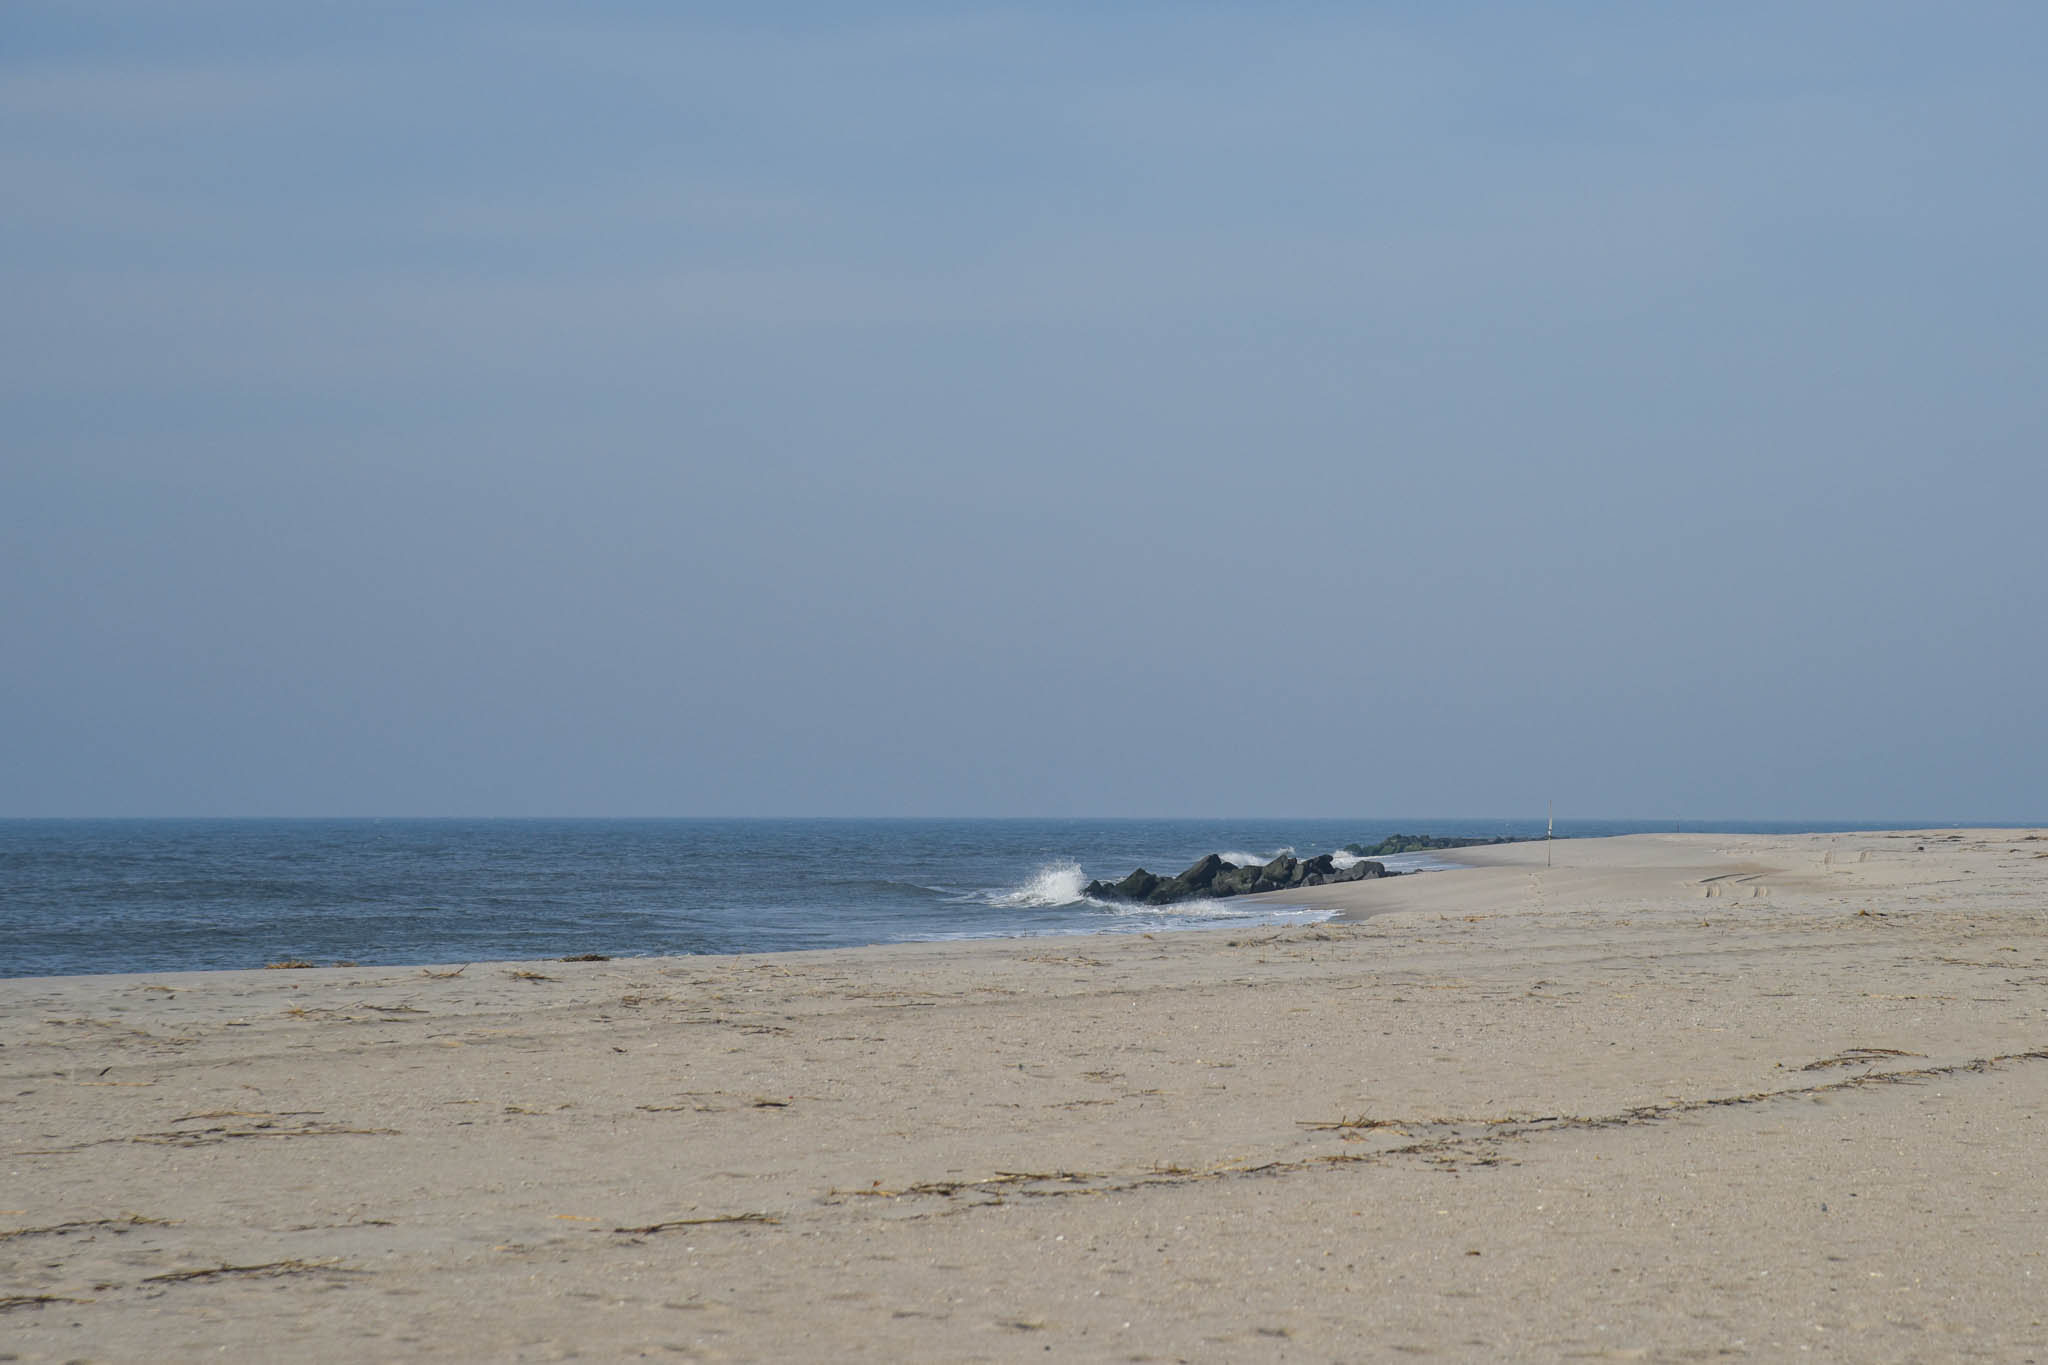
{"x":1213,"y":878}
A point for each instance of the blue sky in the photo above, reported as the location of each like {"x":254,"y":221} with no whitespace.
{"x":918,"y":409}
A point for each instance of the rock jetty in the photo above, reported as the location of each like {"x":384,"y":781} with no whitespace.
{"x":1213,"y":879}
{"x":1422,"y":843}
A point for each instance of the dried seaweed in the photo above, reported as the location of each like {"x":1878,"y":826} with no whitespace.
{"x":652,"y":1228}
{"x":267,"y":1268}
{"x":121,"y":1224}
{"x":1858,"y":1054}
{"x":338,"y":1014}
{"x":207,"y":1137}
{"x":1473,"y":1147}
{"x":1001,"y":1179}
{"x":1347,"y":1125}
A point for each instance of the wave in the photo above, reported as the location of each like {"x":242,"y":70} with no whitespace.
{"x":1203,"y":909}
{"x":1133,"y":919}
{"x":1239,"y":859}
{"x":1062,"y":884}
{"x":1053,"y":884}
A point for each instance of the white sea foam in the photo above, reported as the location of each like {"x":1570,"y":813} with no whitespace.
{"x":1132,"y":919}
{"x":1237,"y":859}
{"x":1201,"y":909}
{"x":1053,"y":884}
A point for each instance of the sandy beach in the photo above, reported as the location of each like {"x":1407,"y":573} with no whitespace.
{"x":1675,"y":1097}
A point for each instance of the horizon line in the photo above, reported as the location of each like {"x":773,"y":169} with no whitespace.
{"x":1875,"y":821}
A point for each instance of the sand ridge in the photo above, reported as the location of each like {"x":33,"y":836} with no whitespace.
{"x":1674,"y":1096}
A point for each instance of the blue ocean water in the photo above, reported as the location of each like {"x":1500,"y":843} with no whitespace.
{"x":86,"y":896}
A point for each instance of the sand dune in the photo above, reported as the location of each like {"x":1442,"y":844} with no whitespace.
{"x":1674,"y":1097}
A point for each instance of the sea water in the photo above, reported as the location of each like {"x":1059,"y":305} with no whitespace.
{"x":81,"y":896}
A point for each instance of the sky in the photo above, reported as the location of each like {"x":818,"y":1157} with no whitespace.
{"x":1067,"y":409}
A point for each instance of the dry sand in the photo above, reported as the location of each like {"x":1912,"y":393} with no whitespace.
{"x":1677,"y":1097}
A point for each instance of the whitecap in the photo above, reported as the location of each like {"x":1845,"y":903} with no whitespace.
{"x":1240,"y":859}
{"x":1053,"y":884}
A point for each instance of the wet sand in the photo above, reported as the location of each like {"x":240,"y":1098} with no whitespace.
{"x":1675,"y":1097}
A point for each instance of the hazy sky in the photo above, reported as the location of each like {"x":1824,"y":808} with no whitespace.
{"x":1174,"y":408}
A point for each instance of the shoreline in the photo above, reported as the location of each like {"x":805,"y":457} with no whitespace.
{"x":226,"y":895}
{"x":1676,"y":1094}
{"x":1343,"y":908}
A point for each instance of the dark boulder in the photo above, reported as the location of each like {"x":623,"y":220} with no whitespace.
{"x":1362,"y":870}
{"x":1136,"y":887}
{"x":1192,"y":884}
{"x":1211,"y":876}
{"x":1236,"y":882}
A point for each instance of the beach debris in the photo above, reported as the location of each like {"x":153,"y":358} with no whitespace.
{"x":1344,"y":1125}
{"x":444,"y":976}
{"x":206,"y":1137}
{"x":268,"y":1268}
{"x":1856,"y":1055}
{"x":650,"y":1229}
{"x":524,"y":974}
{"x":339,"y":1014}
{"x":290,"y":964}
{"x":14,"y":1301}
{"x":1001,"y":1179}
{"x":587,"y":957}
{"x":115,"y":1225}
{"x":1469,"y":1143}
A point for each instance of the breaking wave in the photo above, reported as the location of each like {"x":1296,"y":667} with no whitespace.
{"x":1053,"y":884}
{"x":1239,"y":859}
{"x":1060,"y":885}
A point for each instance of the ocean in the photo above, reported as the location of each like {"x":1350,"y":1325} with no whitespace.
{"x":90,"y":896}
